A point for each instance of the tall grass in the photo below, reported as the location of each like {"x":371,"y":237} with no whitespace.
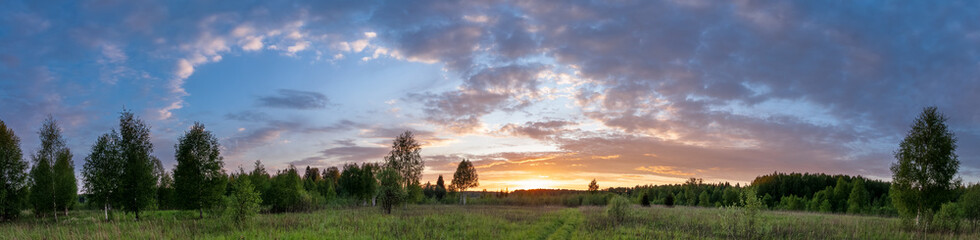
{"x":470,"y":222}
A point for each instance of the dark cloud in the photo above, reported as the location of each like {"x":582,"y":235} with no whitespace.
{"x":507,"y":88}
{"x":295,"y":99}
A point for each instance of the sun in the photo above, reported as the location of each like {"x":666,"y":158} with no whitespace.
{"x":533,"y":184}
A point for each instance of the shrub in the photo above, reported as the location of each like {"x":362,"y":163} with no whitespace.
{"x":948,"y":218}
{"x":244,"y":202}
{"x":618,"y":208}
{"x":645,"y":200}
{"x":669,"y":200}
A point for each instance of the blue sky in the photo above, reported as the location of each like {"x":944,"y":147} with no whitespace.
{"x":536,"y":93}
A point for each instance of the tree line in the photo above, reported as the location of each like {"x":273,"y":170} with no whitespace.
{"x":121,"y":173}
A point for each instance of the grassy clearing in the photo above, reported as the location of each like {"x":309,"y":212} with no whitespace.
{"x":470,"y":222}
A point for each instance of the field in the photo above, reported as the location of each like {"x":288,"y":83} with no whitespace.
{"x":472,"y":222}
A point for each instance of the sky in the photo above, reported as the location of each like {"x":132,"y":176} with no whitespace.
{"x":538,"y":94}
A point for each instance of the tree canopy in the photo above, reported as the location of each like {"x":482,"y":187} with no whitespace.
{"x":13,"y":174}
{"x":923,"y":176}
{"x":199,"y":172}
{"x":138,"y":183}
{"x":406,"y":159}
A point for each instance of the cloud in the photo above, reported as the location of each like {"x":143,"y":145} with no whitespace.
{"x":295,"y":99}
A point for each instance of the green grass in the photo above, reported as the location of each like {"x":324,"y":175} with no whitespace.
{"x":467,"y":222}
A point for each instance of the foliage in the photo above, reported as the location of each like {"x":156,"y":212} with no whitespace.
{"x":593,"y":186}
{"x":286,"y":193}
{"x":42,"y":187}
{"x":970,"y":204}
{"x":102,"y":172}
{"x":244,"y":201}
{"x":359,"y":182}
{"x":404,"y":157}
{"x":65,"y":187}
{"x":13,"y":175}
{"x":743,"y":222}
{"x":198,"y":174}
{"x":137,"y":179}
{"x":619,"y":208}
{"x":46,"y":183}
{"x":261,"y":181}
{"x":859,"y":198}
{"x":949,"y":218}
{"x":927,"y":162}
{"x":465,"y":177}
{"x":166,"y":194}
{"x":390,"y":190}
{"x":645,"y":200}
{"x":669,"y":200}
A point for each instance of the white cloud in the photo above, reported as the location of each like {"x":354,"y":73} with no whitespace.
{"x":252,"y":43}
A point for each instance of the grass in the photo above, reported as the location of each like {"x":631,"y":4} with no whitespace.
{"x":469,"y":222}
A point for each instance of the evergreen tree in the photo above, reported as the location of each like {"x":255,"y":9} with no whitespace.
{"x":13,"y":174}
{"x":440,"y":188}
{"x":923,"y":176}
{"x":198,"y":173}
{"x":137,"y":180}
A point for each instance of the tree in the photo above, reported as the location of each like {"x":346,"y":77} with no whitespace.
{"x":332,"y":174}
{"x":970,"y":203}
{"x":593,"y":186}
{"x":440,"y":188}
{"x":166,"y":192}
{"x":859,"y":198}
{"x":261,"y":180}
{"x":137,"y":179}
{"x":45,"y":181}
{"x":927,"y":163}
{"x":286,"y":192}
{"x":65,"y":187}
{"x":102,"y":172}
{"x":13,"y":174}
{"x":244,"y":201}
{"x":465,"y":177}
{"x":404,"y":157}
{"x":645,"y":200}
{"x":42,"y":188}
{"x":390,"y":190}
{"x":669,"y":200}
{"x":198,"y":170}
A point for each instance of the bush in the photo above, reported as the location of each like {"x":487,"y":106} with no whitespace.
{"x":948,"y":219}
{"x":618,"y":208}
{"x":669,"y":200}
{"x":243,"y":203}
{"x":645,"y":200}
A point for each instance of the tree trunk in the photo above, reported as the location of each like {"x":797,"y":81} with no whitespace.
{"x":106,"y":208}
{"x":200,"y":213}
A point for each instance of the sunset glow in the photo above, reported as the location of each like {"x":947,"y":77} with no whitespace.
{"x":537,"y":94}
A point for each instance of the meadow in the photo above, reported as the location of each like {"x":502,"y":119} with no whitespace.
{"x":472,"y":222}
